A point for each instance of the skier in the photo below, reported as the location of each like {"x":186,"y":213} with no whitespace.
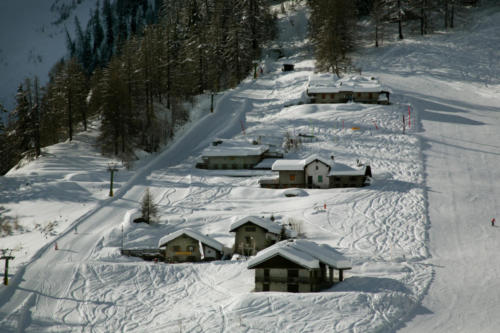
{"x":493,"y":222}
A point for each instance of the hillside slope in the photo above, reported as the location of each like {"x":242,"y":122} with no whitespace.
{"x":453,"y":79}
{"x":403,"y":271}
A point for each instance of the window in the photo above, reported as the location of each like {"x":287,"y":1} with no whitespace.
{"x":266,"y":274}
{"x":293,"y":275}
{"x":250,"y":229}
{"x":292,"y":178}
{"x":320,"y":179}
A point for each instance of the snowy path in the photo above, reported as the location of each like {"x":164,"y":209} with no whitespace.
{"x":462,"y":157}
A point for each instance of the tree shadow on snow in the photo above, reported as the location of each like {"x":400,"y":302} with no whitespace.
{"x":444,"y":105}
{"x":392,"y":185}
{"x":428,"y":142}
{"x":371,"y":284}
{"x":56,"y":191}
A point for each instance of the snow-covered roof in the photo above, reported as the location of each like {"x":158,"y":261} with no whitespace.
{"x":296,"y":165}
{"x":340,"y":169}
{"x":288,"y":165}
{"x":235,"y":148}
{"x":321,"y":83}
{"x":304,"y":253}
{"x":315,"y":157}
{"x":358,"y":83}
{"x":193,"y":234}
{"x":266,"y":163}
{"x":265,"y":224}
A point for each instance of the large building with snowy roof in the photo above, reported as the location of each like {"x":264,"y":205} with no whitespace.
{"x":315,"y":172}
{"x":298,"y":266}
{"x":188,"y":245}
{"x":327,"y":88}
{"x":234,"y":154}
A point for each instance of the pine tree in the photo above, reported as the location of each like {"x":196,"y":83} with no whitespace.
{"x":21,"y":117}
{"x":35,"y":117}
{"x":115,"y":136}
{"x":7,"y":147}
{"x":108,"y":48}
{"x":332,"y":33}
{"x":98,"y":37}
{"x":149,"y":208}
{"x":70,"y":94}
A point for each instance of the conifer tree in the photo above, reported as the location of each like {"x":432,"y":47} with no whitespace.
{"x":109,"y":20}
{"x":332,"y":33}
{"x":116,"y":137}
{"x":98,"y":37}
{"x":70,"y":94}
{"x":149,"y":208}
{"x":21,"y":118}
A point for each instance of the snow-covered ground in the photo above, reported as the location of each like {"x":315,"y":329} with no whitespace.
{"x":453,"y":79}
{"x":422,"y":251}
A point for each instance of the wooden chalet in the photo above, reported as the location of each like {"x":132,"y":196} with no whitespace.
{"x":253,"y":234}
{"x":297,"y":266}
{"x":188,"y":245}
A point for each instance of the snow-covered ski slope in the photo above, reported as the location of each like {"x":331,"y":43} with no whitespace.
{"x":405,"y":274}
{"x":453,"y":79}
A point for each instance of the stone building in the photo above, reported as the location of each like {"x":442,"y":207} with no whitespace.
{"x":316,"y":172}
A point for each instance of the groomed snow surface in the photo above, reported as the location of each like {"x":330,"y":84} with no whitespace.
{"x":422,"y":252}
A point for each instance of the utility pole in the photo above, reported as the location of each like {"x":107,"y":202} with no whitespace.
{"x":112,"y":168}
{"x":6,"y":256}
{"x":255,"y":64}
{"x":212,"y":94}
